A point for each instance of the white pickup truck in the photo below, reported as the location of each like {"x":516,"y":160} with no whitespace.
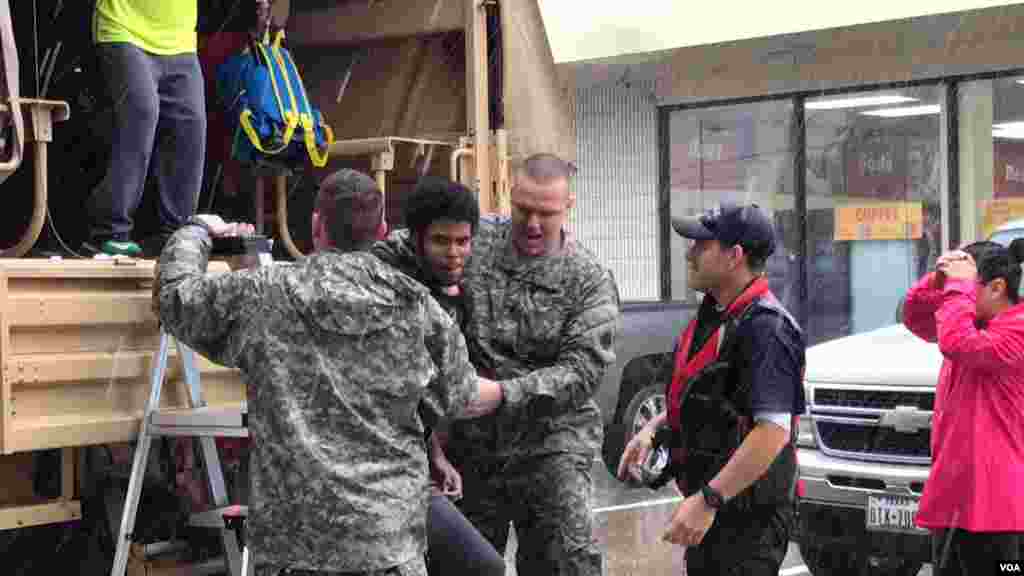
{"x":864,"y":449}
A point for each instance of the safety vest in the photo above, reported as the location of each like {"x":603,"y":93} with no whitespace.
{"x":709,"y":411}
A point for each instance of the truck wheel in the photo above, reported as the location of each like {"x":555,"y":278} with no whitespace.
{"x":645,"y":404}
{"x":648,"y":403}
{"x":844,"y":562}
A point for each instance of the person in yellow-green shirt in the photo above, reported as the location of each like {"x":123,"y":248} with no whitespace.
{"x":147,"y":55}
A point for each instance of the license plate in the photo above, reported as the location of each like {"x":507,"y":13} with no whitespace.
{"x":892,"y":514}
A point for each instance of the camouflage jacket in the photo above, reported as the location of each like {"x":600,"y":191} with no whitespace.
{"x":337,"y":352}
{"x":546,"y":327}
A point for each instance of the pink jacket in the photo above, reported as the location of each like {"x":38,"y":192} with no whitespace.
{"x":977,"y":475}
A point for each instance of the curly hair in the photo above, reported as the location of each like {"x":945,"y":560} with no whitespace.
{"x":440,"y":199}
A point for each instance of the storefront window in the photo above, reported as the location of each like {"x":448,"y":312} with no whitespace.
{"x":991,"y":133}
{"x":874,"y":174}
{"x":739,"y":154}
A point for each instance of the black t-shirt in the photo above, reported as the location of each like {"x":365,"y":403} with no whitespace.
{"x":768,"y":356}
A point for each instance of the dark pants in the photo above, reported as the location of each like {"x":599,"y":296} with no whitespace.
{"x":548,"y":499}
{"x":742,"y":544}
{"x":158,"y":107}
{"x":971,"y":553}
{"x":455,"y":547}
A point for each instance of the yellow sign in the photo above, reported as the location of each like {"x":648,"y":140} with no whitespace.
{"x":879,"y":221}
{"x":998,"y":212}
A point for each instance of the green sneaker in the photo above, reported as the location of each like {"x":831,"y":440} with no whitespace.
{"x":119,"y":248}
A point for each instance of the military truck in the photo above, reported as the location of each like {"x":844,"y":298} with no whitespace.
{"x":459,"y":88}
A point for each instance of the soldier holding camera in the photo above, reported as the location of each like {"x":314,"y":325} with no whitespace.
{"x":733,"y":400}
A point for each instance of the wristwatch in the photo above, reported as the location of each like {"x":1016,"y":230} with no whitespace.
{"x":712,"y":497}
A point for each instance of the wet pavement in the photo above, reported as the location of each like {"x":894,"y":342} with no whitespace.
{"x":629,"y":523}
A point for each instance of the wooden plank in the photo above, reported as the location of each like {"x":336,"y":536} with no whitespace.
{"x":43,"y":309}
{"x":39,"y":268}
{"x":50,"y":369}
{"x":96,"y":338}
{"x":361,"y":21}
{"x":5,"y":352}
{"x":40,"y":514}
{"x":74,"y":430}
{"x":87,"y":269}
{"x":477,"y":109}
{"x":112,"y":396}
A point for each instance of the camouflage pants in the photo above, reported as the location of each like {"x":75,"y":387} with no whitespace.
{"x":414,"y":568}
{"x":548,"y":500}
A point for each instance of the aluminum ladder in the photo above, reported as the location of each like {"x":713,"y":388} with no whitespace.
{"x":198,"y":421}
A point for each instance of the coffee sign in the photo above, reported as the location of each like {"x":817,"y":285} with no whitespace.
{"x":879,"y":221}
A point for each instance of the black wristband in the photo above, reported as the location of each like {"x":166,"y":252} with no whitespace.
{"x":712,"y":497}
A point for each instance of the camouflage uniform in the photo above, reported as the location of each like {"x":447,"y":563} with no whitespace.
{"x":546,"y":327}
{"x":337,"y":352}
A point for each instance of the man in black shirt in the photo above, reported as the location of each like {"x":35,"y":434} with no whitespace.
{"x":735,"y":392}
{"x":442,"y":217}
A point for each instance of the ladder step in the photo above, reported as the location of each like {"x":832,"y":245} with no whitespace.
{"x":203,"y":421}
{"x":155,"y":549}
{"x":215,"y":518}
{"x":202,"y":416}
{"x":212,"y":567}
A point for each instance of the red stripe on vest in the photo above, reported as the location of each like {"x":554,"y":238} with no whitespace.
{"x":685,"y":369}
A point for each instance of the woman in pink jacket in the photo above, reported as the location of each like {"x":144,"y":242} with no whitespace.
{"x":973,"y":501}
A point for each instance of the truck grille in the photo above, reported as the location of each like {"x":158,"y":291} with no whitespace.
{"x":848,"y":422}
{"x":873,"y":399}
{"x":873,"y":440}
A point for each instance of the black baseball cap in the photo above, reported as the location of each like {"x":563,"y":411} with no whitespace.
{"x":731,"y":224}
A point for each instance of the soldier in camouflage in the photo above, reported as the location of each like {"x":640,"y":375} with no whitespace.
{"x":442,"y":217}
{"x":338,"y":352}
{"x":541,"y":313}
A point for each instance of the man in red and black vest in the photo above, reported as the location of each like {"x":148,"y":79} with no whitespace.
{"x":733,"y":399}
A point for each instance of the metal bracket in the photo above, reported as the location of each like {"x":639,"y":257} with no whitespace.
{"x":43,"y":114}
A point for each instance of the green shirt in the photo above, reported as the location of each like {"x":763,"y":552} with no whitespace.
{"x":163,"y":27}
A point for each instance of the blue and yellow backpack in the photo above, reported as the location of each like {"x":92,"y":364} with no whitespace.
{"x":274,"y":123}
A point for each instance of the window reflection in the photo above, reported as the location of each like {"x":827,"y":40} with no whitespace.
{"x":992,"y":169}
{"x":739,"y":154}
{"x":874,"y":173}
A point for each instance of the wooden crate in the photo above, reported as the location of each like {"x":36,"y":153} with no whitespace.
{"x":78,"y":341}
